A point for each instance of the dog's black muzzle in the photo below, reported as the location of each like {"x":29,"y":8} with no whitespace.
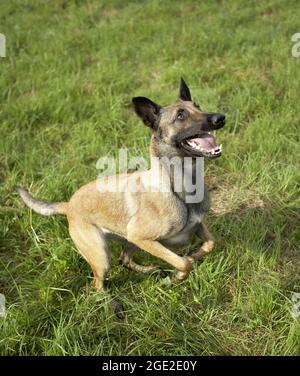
{"x":214,"y":121}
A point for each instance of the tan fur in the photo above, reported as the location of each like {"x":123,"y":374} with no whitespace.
{"x":89,"y":211}
{"x":152,"y":221}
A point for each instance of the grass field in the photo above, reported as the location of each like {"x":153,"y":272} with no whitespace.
{"x":65,"y":87}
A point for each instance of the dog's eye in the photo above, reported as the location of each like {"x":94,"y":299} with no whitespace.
{"x":181,"y":115}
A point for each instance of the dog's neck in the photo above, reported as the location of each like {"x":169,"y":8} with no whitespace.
{"x":176,"y":169}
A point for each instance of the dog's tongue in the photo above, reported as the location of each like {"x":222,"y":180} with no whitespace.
{"x":207,"y":143}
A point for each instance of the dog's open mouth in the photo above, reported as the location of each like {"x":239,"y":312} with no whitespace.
{"x":203,"y":144}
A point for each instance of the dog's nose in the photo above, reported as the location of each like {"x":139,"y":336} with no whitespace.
{"x":218,"y":120}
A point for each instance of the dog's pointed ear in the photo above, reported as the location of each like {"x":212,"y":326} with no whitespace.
{"x":184,"y":91}
{"x":147,"y":110}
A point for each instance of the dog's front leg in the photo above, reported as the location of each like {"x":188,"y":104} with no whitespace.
{"x":208,"y":243}
{"x":183,"y":265}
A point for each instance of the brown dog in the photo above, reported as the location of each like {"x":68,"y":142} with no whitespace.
{"x":152,"y":220}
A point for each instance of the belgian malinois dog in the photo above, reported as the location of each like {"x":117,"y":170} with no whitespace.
{"x":153,"y":221}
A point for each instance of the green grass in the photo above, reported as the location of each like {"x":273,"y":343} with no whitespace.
{"x":65,"y":88}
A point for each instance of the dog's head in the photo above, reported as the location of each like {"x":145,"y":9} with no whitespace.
{"x":182,"y":126}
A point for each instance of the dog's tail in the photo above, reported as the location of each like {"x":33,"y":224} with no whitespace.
{"x":40,"y":206}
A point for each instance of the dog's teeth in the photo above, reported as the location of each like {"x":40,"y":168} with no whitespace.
{"x":221,"y":147}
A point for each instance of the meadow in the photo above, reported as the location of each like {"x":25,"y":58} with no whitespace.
{"x":66,"y":83}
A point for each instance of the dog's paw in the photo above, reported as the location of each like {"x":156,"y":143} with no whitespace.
{"x":180,"y":276}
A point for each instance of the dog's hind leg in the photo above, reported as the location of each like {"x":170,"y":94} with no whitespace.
{"x":182,"y":264}
{"x":91,"y":244}
{"x":126,"y":259}
{"x":208,"y":243}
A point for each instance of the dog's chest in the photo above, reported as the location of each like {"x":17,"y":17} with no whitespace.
{"x":183,"y":236}
{"x":195,"y":214}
